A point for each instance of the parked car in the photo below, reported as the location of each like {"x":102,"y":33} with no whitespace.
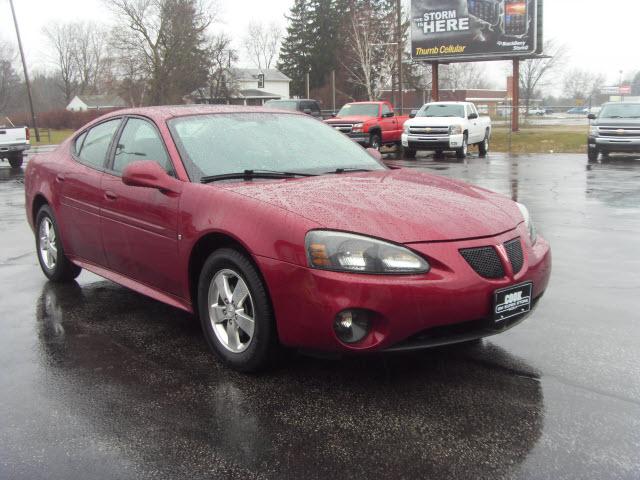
{"x":14,"y":142}
{"x":616,"y":128}
{"x":440,"y":126}
{"x":540,"y":112}
{"x":305,"y":105}
{"x":292,"y":236}
{"x":578,"y":111}
{"x":371,"y":124}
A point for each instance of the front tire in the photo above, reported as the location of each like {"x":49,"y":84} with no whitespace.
{"x":593,"y":154}
{"x":375,"y":141}
{"x":235,"y":312}
{"x":16,"y":161}
{"x":53,"y":261}
{"x":483,"y":147}
{"x":462,"y":151}
{"x":408,"y":152}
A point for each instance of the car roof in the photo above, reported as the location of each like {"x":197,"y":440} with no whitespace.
{"x":163,"y":113}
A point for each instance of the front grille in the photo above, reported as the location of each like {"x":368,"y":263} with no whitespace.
{"x":514,"y":252}
{"x":343,"y":127}
{"x":619,"y":132}
{"x":484,"y":260}
{"x":429,"y":130}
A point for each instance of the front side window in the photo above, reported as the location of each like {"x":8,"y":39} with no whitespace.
{"x":385,"y":109}
{"x":96,"y":143}
{"x":216,"y":144}
{"x":140,"y":141}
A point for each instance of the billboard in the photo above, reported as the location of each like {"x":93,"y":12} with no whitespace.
{"x":474,"y":29}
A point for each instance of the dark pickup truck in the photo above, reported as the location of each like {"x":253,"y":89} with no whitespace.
{"x":615,"y":129}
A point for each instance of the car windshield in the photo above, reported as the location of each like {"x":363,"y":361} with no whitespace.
{"x":282,"y":105}
{"x":621,"y":110}
{"x":365,"y":109}
{"x":217,"y":144}
{"x":441,"y":110}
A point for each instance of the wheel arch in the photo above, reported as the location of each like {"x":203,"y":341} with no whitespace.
{"x":202,"y":248}
{"x":39,"y":200}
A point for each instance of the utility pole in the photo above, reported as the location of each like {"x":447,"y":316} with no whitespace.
{"x":306,"y":82}
{"x":26,"y":73}
{"x":333,"y":90}
{"x":400,"y":48}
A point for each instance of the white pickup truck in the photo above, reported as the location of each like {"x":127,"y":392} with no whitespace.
{"x":14,"y":141}
{"x":440,"y":126}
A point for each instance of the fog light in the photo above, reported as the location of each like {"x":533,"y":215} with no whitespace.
{"x":351,"y":326}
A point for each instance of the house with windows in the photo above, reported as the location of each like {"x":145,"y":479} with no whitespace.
{"x":82,"y":103}
{"x":251,"y":86}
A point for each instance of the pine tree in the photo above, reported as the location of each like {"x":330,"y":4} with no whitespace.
{"x":295,"y":52}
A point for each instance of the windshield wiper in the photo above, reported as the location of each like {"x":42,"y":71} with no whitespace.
{"x":250,"y":174}
{"x":350,"y":169}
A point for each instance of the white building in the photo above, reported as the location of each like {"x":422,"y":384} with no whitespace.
{"x":82,"y":103}
{"x":252,"y":87}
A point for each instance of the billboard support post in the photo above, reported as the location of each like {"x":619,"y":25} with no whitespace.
{"x":515,"y":116}
{"x":435,"y":88}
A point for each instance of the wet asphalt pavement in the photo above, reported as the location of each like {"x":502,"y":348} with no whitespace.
{"x":99,"y":382}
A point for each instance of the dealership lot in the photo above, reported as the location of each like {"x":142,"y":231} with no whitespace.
{"x":99,"y":382}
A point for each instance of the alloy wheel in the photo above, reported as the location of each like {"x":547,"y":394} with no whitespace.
{"x":47,"y":243}
{"x":231,"y":311}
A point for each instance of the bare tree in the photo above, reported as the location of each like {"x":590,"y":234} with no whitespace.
{"x":90,"y":40}
{"x":371,"y":50}
{"x":460,"y":76}
{"x":581,"y":84}
{"x":168,"y":38}
{"x":221,"y":82}
{"x":9,"y":79}
{"x":262,"y":43}
{"x":536,"y":73}
{"x":62,"y":39}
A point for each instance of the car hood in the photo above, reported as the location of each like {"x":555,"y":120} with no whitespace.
{"x":434,"y":121}
{"x":617,"y":122}
{"x":349,"y":119}
{"x":398,"y":205}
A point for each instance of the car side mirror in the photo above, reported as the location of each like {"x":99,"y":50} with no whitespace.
{"x":375,"y":153}
{"x":591,"y":116}
{"x":307,"y":111}
{"x":388,"y":115}
{"x":413,"y":113}
{"x":333,"y":115}
{"x":472,"y":116}
{"x":147,"y":173}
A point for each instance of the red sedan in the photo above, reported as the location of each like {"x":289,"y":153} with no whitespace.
{"x":276,"y":230}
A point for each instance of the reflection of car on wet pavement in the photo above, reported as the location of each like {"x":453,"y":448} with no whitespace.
{"x":270,"y":248}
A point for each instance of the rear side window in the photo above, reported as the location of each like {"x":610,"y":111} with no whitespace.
{"x":96,"y":143}
{"x":79,"y":142}
{"x":140,"y":141}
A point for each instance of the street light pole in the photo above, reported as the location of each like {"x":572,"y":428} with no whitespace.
{"x":400,"y":47}
{"x":26,"y":73}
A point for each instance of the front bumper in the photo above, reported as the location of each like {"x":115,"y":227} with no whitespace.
{"x":432,"y":142}
{"x":361,"y":138}
{"x":614,"y":144}
{"x":306,"y":301}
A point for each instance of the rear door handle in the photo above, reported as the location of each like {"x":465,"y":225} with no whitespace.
{"x":109,"y":195}
{"x":60,"y":177}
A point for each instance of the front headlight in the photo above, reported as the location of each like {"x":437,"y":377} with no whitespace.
{"x":455,"y":129}
{"x":346,"y":252}
{"x":406,"y":128}
{"x":593,"y":131}
{"x":357,"y":127}
{"x":533,"y":235}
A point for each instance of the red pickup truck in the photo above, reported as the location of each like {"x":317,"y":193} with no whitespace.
{"x":371,"y":124}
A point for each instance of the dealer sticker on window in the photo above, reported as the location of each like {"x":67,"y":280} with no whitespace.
{"x":511,"y":301}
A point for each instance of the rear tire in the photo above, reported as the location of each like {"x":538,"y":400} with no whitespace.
{"x":16,"y":161}
{"x":235,"y":312}
{"x":53,"y":261}
{"x":408,"y":152}
{"x":593,"y":154}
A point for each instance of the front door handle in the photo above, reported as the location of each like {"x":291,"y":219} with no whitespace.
{"x":109,"y":195}
{"x":60,"y":177}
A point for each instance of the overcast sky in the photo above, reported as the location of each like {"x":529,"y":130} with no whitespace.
{"x":600,"y":36}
